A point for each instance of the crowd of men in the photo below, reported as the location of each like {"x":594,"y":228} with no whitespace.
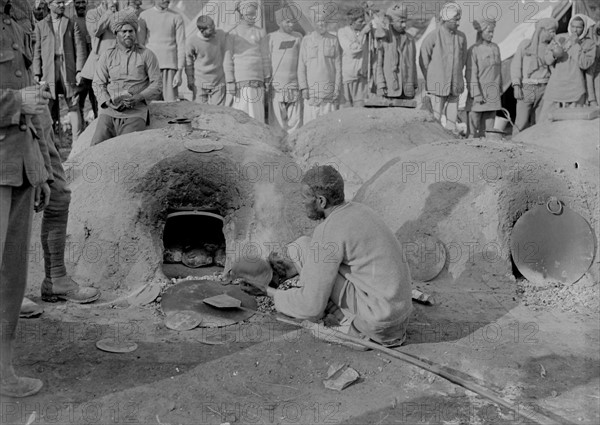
{"x":289,"y":80}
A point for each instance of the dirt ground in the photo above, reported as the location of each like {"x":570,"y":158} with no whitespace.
{"x":539,"y":358}
{"x":269,"y":372}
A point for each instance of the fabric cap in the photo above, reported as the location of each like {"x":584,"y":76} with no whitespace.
{"x":483,"y":24}
{"x":243,"y":4}
{"x":450,"y":11}
{"x":546,"y":23}
{"x":287,"y":13}
{"x":124,"y":17}
{"x":397,"y":11}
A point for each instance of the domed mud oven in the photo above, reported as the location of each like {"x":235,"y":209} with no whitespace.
{"x":134,"y":193}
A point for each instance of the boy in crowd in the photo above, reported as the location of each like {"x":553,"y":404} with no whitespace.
{"x":204,"y":62}
{"x":247,"y":64}
{"x":284,"y":47}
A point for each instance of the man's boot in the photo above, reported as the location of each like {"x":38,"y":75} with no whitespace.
{"x":66,"y":289}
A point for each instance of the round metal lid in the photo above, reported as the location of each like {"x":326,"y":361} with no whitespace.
{"x":552,"y":244}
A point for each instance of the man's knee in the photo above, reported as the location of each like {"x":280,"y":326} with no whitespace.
{"x":131,"y":125}
{"x":104,"y":129}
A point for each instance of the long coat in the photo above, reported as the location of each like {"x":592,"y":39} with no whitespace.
{"x":442,"y":60}
{"x":74,"y":53}
{"x":23,"y":158}
{"x":484,"y":78}
{"x":397,"y":65}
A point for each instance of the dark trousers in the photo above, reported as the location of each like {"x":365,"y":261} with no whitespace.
{"x":85,"y":90}
{"x":109,"y":127}
{"x":16,"y":213}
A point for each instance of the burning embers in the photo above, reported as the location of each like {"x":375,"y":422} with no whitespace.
{"x":194,"y":239}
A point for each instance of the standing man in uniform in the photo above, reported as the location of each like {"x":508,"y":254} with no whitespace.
{"x":25,"y":172}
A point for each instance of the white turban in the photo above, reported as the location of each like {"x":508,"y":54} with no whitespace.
{"x":450,"y":11}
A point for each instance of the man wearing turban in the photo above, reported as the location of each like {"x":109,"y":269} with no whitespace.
{"x":443,"y":58}
{"x":127,"y":79}
{"x":484,"y":79}
{"x":397,"y":58}
{"x":530,"y":73}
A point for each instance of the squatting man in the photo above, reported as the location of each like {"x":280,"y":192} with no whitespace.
{"x":351,"y":271}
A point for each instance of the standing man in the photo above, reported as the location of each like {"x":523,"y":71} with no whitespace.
{"x":352,"y":267}
{"x":320,"y":71}
{"x":443,"y":58}
{"x":98,"y":22}
{"x":162,"y":31}
{"x":85,"y":85}
{"x":355,"y":50}
{"x":484,"y":80}
{"x":24,"y":175}
{"x":247,"y":65}
{"x":284,"y":48}
{"x":59,"y":56}
{"x":127,"y":79}
{"x":530,"y":73}
{"x":397,"y":58}
{"x":204,"y":62}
